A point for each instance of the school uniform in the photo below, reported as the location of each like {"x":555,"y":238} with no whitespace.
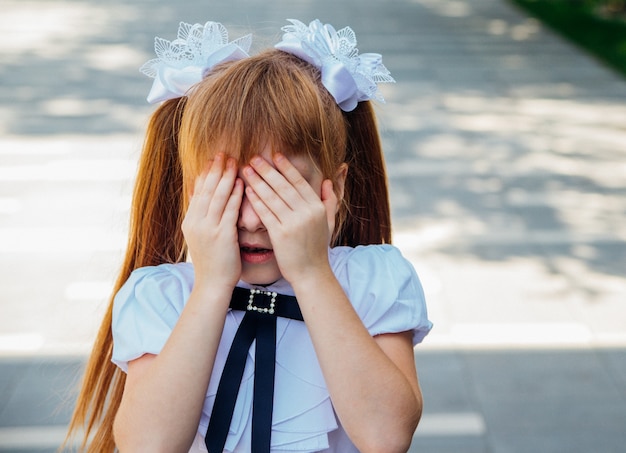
{"x":381,"y":285}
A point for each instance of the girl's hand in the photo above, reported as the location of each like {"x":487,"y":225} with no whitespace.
{"x":298,"y":219}
{"x":210,"y":225}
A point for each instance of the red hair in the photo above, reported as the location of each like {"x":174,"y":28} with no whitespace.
{"x":273,"y":98}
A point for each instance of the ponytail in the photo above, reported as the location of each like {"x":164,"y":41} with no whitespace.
{"x":368,"y":217}
{"x":155,"y":237}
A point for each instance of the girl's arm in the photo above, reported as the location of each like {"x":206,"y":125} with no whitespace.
{"x":164,"y":394}
{"x":372,"y":381}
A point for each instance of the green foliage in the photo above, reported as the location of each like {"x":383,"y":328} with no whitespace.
{"x":599,"y":26}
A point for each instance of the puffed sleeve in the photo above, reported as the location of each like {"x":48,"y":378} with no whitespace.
{"x":146,"y":308}
{"x":384,"y":289}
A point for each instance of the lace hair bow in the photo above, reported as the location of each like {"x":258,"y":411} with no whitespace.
{"x":348,"y":76}
{"x":182,"y":63}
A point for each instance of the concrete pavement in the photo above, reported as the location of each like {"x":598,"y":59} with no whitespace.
{"x":506,"y":153}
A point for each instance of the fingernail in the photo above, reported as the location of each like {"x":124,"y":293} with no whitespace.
{"x":248,"y":171}
{"x":256,"y":160}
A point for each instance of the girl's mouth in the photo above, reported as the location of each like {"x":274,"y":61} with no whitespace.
{"x":256,"y":255}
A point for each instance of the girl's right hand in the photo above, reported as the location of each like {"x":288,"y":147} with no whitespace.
{"x":210,"y":229}
{"x":210,"y":225}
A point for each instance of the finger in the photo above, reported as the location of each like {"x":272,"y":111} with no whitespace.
{"x":204,"y":187}
{"x":214,"y":174}
{"x":223,"y":190}
{"x":279,"y":184}
{"x":207,"y":185}
{"x":199,"y":201}
{"x":331,"y":203}
{"x":271,"y":198}
{"x":268,"y":218}
{"x":199,"y":181}
{"x":294,"y":177}
{"x":197,"y":186}
{"x":231,"y":211}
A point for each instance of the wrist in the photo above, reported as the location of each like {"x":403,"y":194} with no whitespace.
{"x":310,"y":281}
{"x":209,"y":289}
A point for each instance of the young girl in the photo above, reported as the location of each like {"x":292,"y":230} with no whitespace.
{"x":268,"y":171}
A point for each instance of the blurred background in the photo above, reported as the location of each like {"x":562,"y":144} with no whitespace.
{"x":506,"y":150}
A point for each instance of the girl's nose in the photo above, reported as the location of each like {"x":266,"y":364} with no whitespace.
{"x":248,"y":218}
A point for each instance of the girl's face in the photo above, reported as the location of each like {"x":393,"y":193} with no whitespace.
{"x":259,"y":265}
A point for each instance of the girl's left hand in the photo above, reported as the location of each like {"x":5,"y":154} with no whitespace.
{"x":298,"y":220}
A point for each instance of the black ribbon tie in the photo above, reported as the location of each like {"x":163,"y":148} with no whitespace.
{"x":259,"y":323}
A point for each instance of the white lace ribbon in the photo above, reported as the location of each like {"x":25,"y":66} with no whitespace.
{"x":182,"y":63}
{"x":348,"y":76}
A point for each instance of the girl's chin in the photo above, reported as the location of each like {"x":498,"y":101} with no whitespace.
{"x":260,"y":275}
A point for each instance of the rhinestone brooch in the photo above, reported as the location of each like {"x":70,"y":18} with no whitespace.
{"x":252,"y":307}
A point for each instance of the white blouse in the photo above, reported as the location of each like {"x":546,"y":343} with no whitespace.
{"x":381,"y":285}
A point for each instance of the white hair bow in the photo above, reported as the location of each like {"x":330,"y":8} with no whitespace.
{"x":182,"y":63}
{"x":348,"y":76}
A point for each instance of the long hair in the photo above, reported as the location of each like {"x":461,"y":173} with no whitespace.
{"x":271,"y":99}
{"x":155,"y":237}
{"x":368,"y":220}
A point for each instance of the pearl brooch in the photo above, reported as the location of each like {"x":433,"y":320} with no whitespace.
{"x":252,"y":307}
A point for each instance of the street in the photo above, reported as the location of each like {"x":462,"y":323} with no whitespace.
{"x":506,"y":153}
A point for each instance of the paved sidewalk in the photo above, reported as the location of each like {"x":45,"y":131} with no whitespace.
{"x":507,"y":160}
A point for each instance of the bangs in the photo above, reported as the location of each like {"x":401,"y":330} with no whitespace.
{"x":273,"y":99}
